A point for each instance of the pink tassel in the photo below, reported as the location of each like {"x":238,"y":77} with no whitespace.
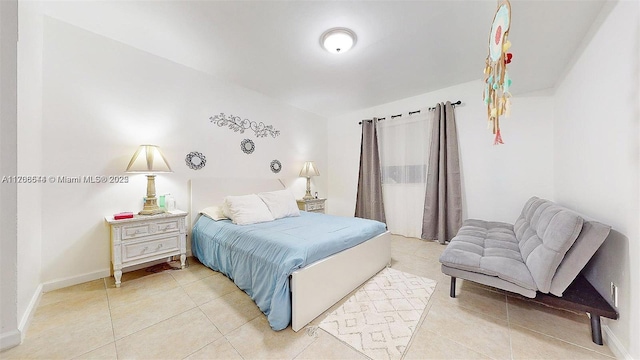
{"x":498,"y":139}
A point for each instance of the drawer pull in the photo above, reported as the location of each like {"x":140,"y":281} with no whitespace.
{"x":144,"y":250}
{"x":159,"y":246}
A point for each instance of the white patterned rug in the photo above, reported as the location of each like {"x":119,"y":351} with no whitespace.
{"x":380,"y":318}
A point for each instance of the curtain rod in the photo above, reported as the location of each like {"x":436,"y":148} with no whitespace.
{"x":453,"y":104}
{"x":410,"y":113}
{"x":392,"y":116}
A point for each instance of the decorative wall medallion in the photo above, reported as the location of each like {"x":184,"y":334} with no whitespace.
{"x":237,"y":124}
{"x":247,"y":146}
{"x":276,"y":166}
{"x":195,"y":160}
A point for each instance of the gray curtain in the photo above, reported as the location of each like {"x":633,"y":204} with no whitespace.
{"x":369,"y":203}
{"x":442,"y":216}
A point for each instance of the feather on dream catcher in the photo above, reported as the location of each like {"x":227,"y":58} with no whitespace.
{"x":497,"y":82}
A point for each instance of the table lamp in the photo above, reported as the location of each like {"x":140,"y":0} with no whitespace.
{"x":309,"y":169}
{"x":148,"y":159}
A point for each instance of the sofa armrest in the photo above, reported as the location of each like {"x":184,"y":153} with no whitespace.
{"x":590,"y":239}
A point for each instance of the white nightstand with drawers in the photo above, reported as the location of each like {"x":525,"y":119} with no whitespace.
{"x":146,"y":238}
{"x":311,"y":205}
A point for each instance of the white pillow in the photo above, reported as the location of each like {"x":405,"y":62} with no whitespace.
{"x":214,"y":212}
{"x":246,"y":209}
{"x":281,"y":203}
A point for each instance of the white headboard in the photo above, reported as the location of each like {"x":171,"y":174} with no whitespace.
{"x":211,"y":191}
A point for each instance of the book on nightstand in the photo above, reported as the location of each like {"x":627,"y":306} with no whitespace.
{"x":123,"y":215}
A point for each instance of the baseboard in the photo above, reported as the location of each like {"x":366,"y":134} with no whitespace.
{"x":23,"y":326}
{"x":74,"y":280}
{"x":615,"y":345}
{"x":10,"y":339}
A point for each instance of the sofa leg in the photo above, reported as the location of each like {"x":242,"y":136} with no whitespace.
{"x":596,"y":330}
{"x":452,"y":292}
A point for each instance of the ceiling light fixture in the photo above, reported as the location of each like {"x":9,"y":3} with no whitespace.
{"x":338,"y":40}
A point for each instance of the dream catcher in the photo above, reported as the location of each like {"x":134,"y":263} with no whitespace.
{"x":496,"y":78}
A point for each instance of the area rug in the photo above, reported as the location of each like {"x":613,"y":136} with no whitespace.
{"x":380,"y":318}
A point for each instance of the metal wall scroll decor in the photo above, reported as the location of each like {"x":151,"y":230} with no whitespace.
{"x":195,"y":160}
{"x":247,"y":146}
{"x":276,"y":166}
{"x":237,"y":124}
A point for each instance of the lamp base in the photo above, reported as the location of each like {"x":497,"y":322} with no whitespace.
{"x":151,"y":208}
{"x":151,"y":203}
{"x":307,"y":195}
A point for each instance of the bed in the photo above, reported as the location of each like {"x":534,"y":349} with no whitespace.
{"x":314,"y":284}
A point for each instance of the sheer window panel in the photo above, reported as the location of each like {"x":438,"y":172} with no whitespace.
{"x":404,"y":155}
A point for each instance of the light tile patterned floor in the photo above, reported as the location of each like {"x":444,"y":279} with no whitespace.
{"x":197,"y":313}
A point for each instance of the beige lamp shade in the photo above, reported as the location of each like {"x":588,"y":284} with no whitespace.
{"x":309,"y":169}
{"x":148,"y":159}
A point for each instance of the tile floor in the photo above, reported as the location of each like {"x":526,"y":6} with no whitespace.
{"x":197,"y":313}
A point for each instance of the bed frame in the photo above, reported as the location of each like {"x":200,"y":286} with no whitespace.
{"x":318,"y":286}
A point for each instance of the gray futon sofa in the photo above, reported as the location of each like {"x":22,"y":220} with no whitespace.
{"x":541,"y":253}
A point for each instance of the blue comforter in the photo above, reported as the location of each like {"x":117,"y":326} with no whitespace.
{"x":260,"y":257}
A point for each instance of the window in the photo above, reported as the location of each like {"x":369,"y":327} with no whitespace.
{"x":404,"y":174}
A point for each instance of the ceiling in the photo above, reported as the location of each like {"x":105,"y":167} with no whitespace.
{"x":404,"y":48}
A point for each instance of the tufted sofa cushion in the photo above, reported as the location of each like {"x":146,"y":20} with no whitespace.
{"x":545,"y":232}
{"x":489,"y":248}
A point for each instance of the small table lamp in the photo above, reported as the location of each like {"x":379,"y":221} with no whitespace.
{"x":149,"y":159}
{"x":309,"y":169}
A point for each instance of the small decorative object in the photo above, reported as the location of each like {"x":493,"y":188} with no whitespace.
{"x":171,"y":203}
{"x":309,"y":169}
{"x":148,"y":159}
{"x":195,"y":160}
{"x":237,"y":124}
{"x":247,"y":146}
{"x":496,"y":93}
{"x":276,"y":166}
{"x":123,"y":215}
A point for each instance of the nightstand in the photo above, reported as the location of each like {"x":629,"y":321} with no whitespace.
{"x":311,"y":205}
{"x":146,"y":238}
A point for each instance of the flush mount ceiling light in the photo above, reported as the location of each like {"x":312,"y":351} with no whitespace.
{"x":338,"y":40}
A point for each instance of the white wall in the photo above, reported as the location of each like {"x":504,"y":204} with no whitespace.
{"x":9,"y":334}
{"x":495,"y":186}
{"x":101,"y":99}
{"x":29,"y":158}
{"x":597,"y":157}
